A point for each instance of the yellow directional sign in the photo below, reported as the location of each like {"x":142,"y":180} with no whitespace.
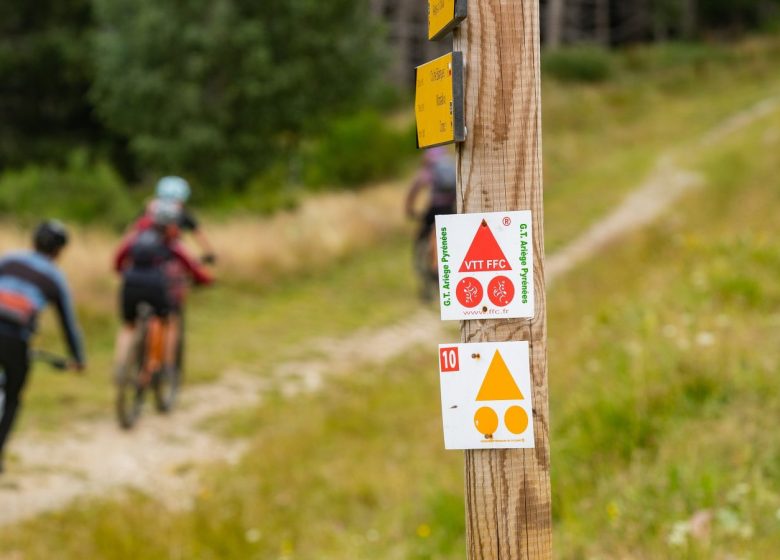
{"x":443,"y":16}
{"x":438,"y":104}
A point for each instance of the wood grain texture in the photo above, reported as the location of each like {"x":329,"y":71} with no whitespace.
{"x":500,"y":168}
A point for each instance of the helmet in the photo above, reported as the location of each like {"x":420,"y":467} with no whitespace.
{"x":50,"y":237}
{"x":173,"y":188}
{"x":433,"y":155}
{"x":165,"y":212}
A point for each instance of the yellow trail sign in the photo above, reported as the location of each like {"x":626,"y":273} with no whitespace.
{"x":443,"y":16}
{"x":438,"y":105}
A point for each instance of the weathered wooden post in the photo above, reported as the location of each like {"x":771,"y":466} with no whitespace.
{"x":485,"y":97}
{"x":500,"y":168}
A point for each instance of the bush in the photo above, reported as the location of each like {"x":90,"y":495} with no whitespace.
{"x":356,"y":150}
{"x":81,"y":192}
{"x":580,"y":64}
{"x":676,"y":56}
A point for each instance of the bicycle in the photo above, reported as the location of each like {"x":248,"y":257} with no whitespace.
{"x":426,"y":265}
{"x":144,"y":367}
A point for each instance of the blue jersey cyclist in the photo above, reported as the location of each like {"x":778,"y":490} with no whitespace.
{"x":29,"y":280}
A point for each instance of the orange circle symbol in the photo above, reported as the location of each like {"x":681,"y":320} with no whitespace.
{"x":516,"y":420}
{"x":486,"y":421}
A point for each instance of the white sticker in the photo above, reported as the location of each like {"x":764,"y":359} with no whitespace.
{"x":486,"y":266}
{"x":486,"y":395}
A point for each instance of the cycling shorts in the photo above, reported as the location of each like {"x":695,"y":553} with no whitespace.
{"x":147,"y":286}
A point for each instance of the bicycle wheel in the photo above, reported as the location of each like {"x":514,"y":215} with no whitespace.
{"x":130,"y":388}
{"x":166,"y":381}
{"x":424,"y":261}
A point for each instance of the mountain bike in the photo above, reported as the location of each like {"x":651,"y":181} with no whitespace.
{"x":426,"y":265}
{"x":144,"y":368}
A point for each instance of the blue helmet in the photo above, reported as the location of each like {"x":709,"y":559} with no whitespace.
{"x":173,"y":188}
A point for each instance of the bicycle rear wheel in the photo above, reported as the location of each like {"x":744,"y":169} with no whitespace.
{"x":130,"y":388}
{"x":167,"y":381}
{"x":424,"y":265}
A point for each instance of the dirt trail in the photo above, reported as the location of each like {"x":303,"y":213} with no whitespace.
{"x":96,"y":459}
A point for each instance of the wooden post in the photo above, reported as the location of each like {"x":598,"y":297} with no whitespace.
{"x":500,"y":168}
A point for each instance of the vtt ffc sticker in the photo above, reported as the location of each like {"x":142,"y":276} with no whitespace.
{"x":486,"y":395}
{"x":486,"y":266}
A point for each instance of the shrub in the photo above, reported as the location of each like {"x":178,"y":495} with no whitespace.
{"x":82,"y":192}
{"x":356,"y":150}
{"x":578,"y":64}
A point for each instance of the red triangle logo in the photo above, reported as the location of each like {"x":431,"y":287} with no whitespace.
{"x":485,"y":255}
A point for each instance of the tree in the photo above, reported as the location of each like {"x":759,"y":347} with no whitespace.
{"x":554,"y":23}
{"x":44,"y":64}
{"x":214,"y":89}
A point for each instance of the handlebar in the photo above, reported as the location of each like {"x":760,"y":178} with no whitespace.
{"x":57,"y":362}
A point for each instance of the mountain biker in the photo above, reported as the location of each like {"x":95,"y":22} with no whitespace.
{"x":28,"y":281}
{"x":154,"y":266}
{"x":177,"y":190}
{"x":438,"y":175}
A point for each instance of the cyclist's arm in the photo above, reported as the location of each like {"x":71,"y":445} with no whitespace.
{"x":123,"y":253}
{"x":191,"y":224}
{"x":64,"y":305}
{"x":199,"y":274}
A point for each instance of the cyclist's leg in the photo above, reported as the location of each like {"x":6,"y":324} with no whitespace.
{"x":128,"y":310}
{"x":173,"y":330}
{"x":426,"y":224}
{"x":14,"y":359}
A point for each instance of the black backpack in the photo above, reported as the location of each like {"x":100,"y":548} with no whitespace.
{"x":149,"y":249}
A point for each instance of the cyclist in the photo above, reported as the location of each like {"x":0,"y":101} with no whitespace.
{"x":152,"y":263}
{"x":177,"y":190}
{"x":438,"y":175}
{"x":28,"y":281}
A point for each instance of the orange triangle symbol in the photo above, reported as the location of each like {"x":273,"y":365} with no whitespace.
{"x":484,"y":255}
{"x":499,"y":385}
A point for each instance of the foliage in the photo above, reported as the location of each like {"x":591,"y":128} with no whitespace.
{"x":45,"y":69}
{"x":81,"y":192}
{"x":582,"y":64}
{"x":738,"y":14}
{"x":355,"y":150}
{"x":214,"y":89}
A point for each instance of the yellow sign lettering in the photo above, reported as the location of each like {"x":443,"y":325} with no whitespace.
{"x":443,"y":16}
{"x":439,"y":101}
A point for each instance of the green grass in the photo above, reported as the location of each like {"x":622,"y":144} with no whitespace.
{"x":601,"y":140}
{"x":662,"y":377}
{"x":663,"y":361}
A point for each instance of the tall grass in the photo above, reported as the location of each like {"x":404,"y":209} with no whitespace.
{"x":252,"y":251}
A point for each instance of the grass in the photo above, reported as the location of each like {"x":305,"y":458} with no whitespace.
{"x":662,"y":381}
{"x":663,"y":358}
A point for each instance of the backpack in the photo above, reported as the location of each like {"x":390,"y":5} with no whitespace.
{"x":16,"y":308}
{"x":443,"y":176}
{"x":148,"y":249}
